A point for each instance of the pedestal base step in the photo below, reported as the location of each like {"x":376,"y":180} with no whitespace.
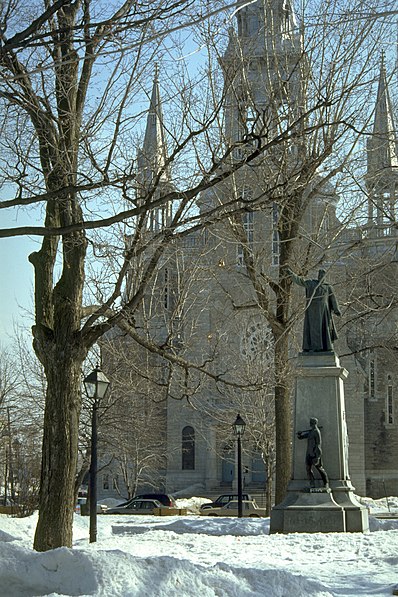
{"x":316,"y":512}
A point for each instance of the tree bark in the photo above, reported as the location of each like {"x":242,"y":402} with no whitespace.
{"x":282,"y":419}
{"x":59,"y":455}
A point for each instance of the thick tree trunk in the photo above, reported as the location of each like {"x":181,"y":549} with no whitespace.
{"x":288,"y":228}
{"x":282,"y":418}
{"x":59,"y":457}
{"x":61,"y":351}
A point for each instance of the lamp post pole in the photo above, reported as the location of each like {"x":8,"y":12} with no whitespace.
{"x":96,"y":385}
{"x":93,"y":473}
{"x":239,"y":477}
{"x":239,"y":429}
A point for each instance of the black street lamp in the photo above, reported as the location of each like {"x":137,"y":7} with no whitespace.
{"x":96,"y":385}
{"x":239,"y":429}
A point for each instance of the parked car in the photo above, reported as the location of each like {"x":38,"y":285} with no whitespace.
{"x":249,"y":508}
{"x":222,"y":500}
{"x":163,"y":498}
{"x":136,"y":506}
{"x":83,"y":507}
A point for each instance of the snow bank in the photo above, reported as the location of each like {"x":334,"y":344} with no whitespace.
{"x":191,"y":556}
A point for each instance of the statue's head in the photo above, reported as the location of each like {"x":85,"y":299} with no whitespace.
{"x":313,"y":421}
{"x":321,"y":274}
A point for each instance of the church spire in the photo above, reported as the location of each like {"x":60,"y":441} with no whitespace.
{"x":153,"y":175}
{"x":382,"y":157}
{"x":152,"y":158}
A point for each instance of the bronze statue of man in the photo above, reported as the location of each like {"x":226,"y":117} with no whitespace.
{"x":319,"y":330}
{"x":313,"y":457}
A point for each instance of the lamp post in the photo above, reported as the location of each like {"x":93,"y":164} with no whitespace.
{"x":239,"y":429}
{"x":96,"y":385}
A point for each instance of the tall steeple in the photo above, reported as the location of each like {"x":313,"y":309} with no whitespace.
{"x":382,"y":158}
{"x":153,"y":155}
{"x":263,"y":67}
{"x":152,"y":160}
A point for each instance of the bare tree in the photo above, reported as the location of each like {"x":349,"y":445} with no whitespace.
{"x":71,"y":87}
{"x":69,"y":80}
{"x":21,"y":436}
{"x":132,"y":421}
{"x":9,"y":384}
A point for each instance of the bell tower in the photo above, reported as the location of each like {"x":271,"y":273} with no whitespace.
{"x":263,"y":69}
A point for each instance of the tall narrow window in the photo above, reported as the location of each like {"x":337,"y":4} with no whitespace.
{"x":166,"y":290}
{"x":390,"y":407}
{"x":105,"y":481}
{"x":275,"y":235}
{"x":248,"y":225}
{"x":188,"y":449}
{"x":372,"y":376}
{"x":251,"y":123}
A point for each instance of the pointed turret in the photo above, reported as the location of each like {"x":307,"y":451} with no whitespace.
{"x":382,"y":157}
{"x":153,"y":174}
{"x":152,"y":158}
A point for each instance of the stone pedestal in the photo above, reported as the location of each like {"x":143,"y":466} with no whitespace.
{"x":320,"y":393}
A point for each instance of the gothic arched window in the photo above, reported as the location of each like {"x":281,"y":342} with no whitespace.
{"x":188,"y":449}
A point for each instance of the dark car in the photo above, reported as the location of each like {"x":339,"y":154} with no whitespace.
{"x":163,"y":498}
{"x":137,"y":506}
{"x":223,"y":500}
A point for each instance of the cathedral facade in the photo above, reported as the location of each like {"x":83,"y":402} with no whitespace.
{"x":204,"y":302}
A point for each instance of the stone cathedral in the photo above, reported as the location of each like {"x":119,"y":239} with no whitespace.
{"x":203,"y":303}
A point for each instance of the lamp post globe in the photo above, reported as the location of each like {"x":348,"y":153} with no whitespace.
{"x":239,"y":426}
{"x":239,"y":429}
{"x":96,"y":384}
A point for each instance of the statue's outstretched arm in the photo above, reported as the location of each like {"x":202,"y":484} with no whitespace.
{"x":296,"y":279}
{"x":303,"y":434}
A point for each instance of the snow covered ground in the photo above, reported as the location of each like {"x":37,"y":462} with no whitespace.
{"x":192,"y":556}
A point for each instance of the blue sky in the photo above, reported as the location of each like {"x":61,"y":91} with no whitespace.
{"x":16,"y":275}
{"x":16,"y":305}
